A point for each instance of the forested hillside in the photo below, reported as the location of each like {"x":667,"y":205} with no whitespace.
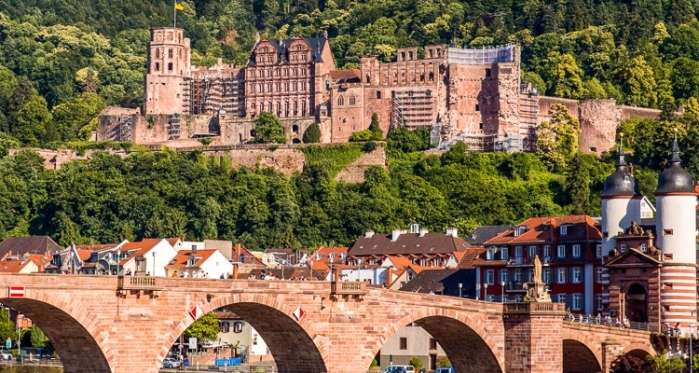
{"x":63,"y":61}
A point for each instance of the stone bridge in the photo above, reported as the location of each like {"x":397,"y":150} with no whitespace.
{"x":128,"y":324}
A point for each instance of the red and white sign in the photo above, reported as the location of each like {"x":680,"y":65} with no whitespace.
{"x":17,"y":291}
{"x":195,"y":312}
{"x":298,"y":314}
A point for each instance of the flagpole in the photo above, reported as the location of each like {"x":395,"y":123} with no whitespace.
{"x":174,"y":14}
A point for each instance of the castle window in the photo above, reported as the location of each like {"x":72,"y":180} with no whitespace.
{"x":487,"y":73}
{"x":303,"y":72}
{"x":278,"y":87}
{"x":478,"y":107}
{"x":169,"y":53}
{"x":296,"y":106}
{"x":303,"y":107}
{"x":286,"y":87}
{"x":422,"y":77}
{"x":340,"y":101}
{"x":286,"y":72}
{"x":269,"y":59}
{"x":269,"y":72}
{"x":295,"y":87}
{"x":262,"y":88}
{"x":286,"y":109}
{"x":352,"y":100}
{"x":295,"y":129}
{"x":303,"y":86}
{"x":169,"y":66}
{"x":480,"y":126}
{"x":294,"y":72}
{"x":157,"y":53}
{"x":279,"y":108}
{"x":276,"y":72}
{"x":294,"y":57}
{"x":378,"y":95}
{"x":252,"y":88}
{"x":402,"y":55}
{"x":252,"y":106}
{"x":368,"y":79}
{"x":432,"y":77}
{"x":269,"y":107}
{"x":269,"y":87}
{"x":157,"y":66}
{"x":303,"y":57}
{"x":410,"y":55}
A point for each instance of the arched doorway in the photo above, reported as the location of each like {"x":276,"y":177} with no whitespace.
{"x":636,"y":303}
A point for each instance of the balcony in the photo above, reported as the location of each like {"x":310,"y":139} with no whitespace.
{"x":138,"y":284}
{"x":347,"y":289}
{"x":520,"y":262}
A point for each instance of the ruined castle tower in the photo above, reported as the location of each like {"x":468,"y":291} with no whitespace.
{"x":676,"y":227}
{"x":167,"y":87}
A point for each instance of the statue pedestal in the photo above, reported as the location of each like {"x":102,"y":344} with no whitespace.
{"x":536,"y":293}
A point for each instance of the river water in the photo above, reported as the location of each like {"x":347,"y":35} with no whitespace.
{"x":11,"y":368}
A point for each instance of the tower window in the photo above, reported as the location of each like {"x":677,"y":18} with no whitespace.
{"x":667,"y":232}
{"x":157,"y":53}
{"x":480,"y":126}
{"x":378,"y":95}
{"x":157,"y":66}
{"x":169,"y":66}
{"x":169,"y":53}
{"x":478,"y":107}
{"x":487,"y":73}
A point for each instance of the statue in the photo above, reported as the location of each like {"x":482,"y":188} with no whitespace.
{"x":536,"y":290}
{"x":537,"y":270}
{"x":635,"y":229}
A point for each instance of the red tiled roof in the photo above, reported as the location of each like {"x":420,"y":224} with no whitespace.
{"x":349,"y":76}
{"x":180,"y":260}
{"x":539,"y":230}
{"x":13,"y":266}
{"x":83,"y":254}
{"x":470,"y":257}
{"x":407,"y":244}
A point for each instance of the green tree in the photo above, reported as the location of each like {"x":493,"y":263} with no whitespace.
{"x":416,"y":362}
{"x":443,"y":362}
{"x":204,"y":328}
{"x":359,"y":136}
{"x":312,"y":134}
{"x":269,"y":129}
{"x":639,"y":83}
{"x":38,"y":338}
{"x":7,"y":327}
{"x":660,"y":363}
{"x":558,"y":137}
{"x":32,"y":121}
{"x":71,"y":116}
{"x":577,"y":185}
{"x":375,"y":128}
{"x":563,"y":76}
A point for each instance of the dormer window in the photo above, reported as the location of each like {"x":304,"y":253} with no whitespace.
{"x":644,"y":247}
{"x":504,"y":254}
{"x":414,"y":227}
{"x":332,"y":258}
{"x":564,"y":230}
{"x":520,"y":231}
{"x":490,"y":253}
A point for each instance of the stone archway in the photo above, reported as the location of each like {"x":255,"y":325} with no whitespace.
{"x":455,"y":333}
{"x":73,"y":337}
{"x":579,"y":358}
{"x":293,"y":344}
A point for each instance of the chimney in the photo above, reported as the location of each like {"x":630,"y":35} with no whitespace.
{"x":389,"y":276}
{"x":452,"y":231}
{"x":235,"y":271}
{"x":396,"y":233}
{"x":423,"y":232}
{"x":369,"y":234}
{"x":194,"y":249}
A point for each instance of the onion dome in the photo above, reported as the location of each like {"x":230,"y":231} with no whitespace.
{"x":675,"y":179}
{"x":620,"y":183}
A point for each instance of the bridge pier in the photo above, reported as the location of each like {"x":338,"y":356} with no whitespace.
{"x":533,"y":336}
{"x":611,"y":349}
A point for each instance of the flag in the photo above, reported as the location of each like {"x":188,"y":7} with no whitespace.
{"x":179,"y":6}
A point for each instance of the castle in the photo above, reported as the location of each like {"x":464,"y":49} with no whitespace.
{"x":474,"y":96}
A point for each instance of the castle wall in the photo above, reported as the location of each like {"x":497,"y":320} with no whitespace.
{"x":598,"y":122}
{"x":348,"y":112}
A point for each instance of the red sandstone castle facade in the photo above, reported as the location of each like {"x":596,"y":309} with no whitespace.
{"x":474,"y":96}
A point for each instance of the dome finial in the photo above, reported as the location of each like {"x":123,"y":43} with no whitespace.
{"x":675,"y":151}
{"x":621,"y":162}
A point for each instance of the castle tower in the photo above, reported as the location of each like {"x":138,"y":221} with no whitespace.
{"x":676,"y":228}
{"x":621,"y":203}
{"x":167,"y":89}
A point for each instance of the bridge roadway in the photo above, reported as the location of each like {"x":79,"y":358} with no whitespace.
{"x":128,"y":324}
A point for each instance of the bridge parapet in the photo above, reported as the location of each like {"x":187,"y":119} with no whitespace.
{"x":535,"y":308}
{"x":348,"y":289}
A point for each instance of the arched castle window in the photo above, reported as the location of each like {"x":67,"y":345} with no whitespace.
{"x":279,"y":107}
{"x":432,"y":77}
{"x":286,"y":108}
{"x":368,"y":78}
{"x":296,"y":107}
{"x":269,"y":107}
{"x":157,"y":66}
{"x":295,"y":129}
{"x":352,"y":100}
{"x":340,"y":101}
{"x":157,"y":53}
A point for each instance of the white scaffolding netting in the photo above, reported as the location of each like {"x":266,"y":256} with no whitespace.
{"x":481,"y":56}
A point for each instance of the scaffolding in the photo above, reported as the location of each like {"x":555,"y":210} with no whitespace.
{"x":174,"y":130}
{"x":413,"y":109}
{"x":212,"y":94}
{"x":125,"y":128}
{"x":483,"y":56}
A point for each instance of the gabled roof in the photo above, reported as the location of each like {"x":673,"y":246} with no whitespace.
{"x":407,"y":243}
{"x":547,"y":229}
{"x":398,"y":261}
{"x":83,"y":254}
{"x":180,"y":260}
{"x":32,"y":244}
{"x":14,"y":266}
{"x":241,"y":254}
{"x":442,"y":281}
{"x":325,"y":254}
{"x":485,"y":232}
{"x":346,"y":76}
{"x":315,"y":46}
{"x":470,"y":257}
{"x":632,"y":258}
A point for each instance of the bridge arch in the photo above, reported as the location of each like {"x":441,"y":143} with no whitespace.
{"x":455,"y":332}
{"x":293,"y":344}
{"x":75,"y":334}
{"x":580,"y":355}
{"x":639,"y":350}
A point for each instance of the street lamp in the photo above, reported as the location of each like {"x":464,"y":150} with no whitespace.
{"x":153,"y":263}
{"x":485,"y":295}
{"x":109,"y":263}
{"x":691,"y":336}
{"x":460,"y":288}
{"x":502,"y":299}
